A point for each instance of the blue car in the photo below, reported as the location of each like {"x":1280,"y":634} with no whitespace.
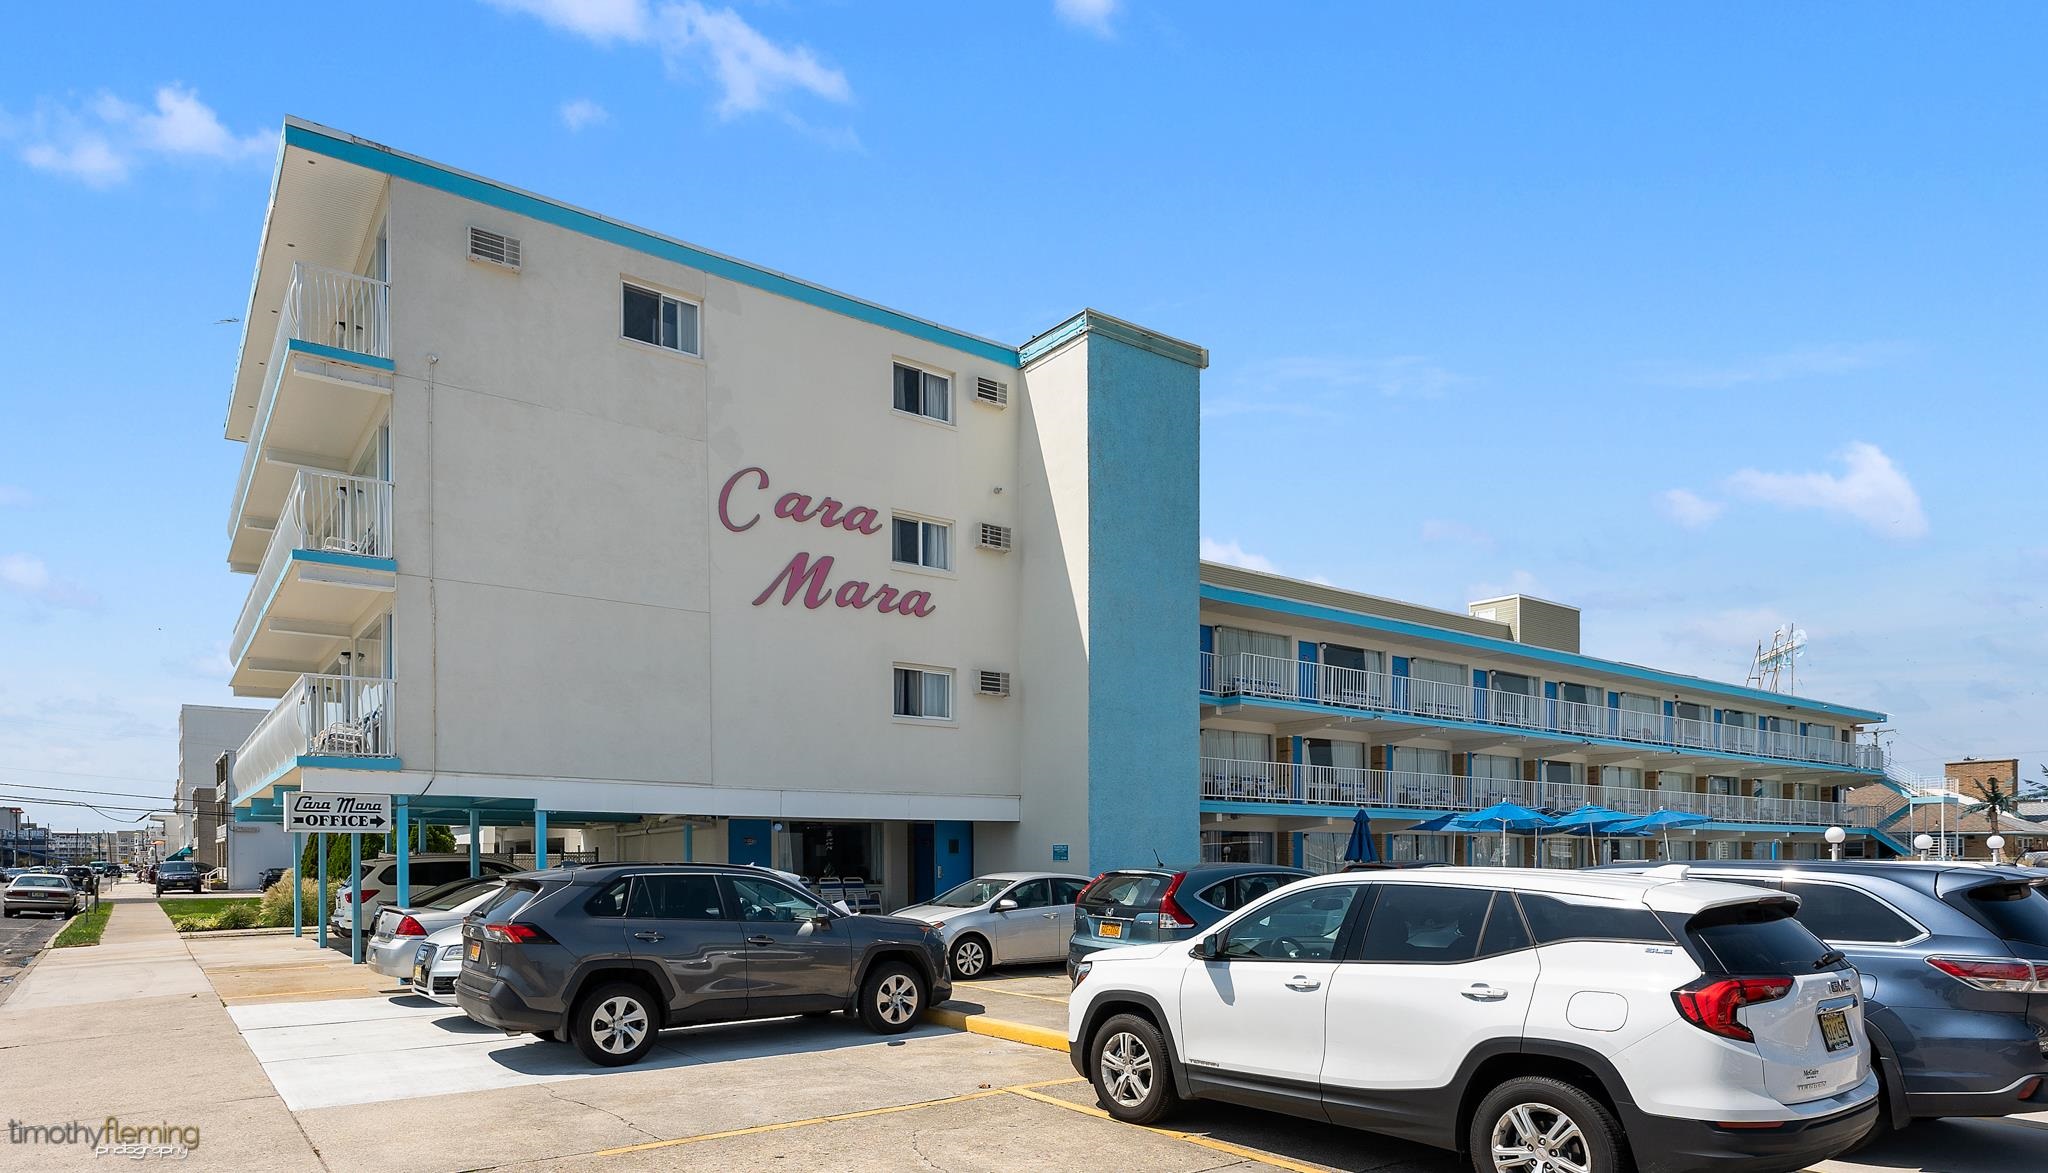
{"x":1954,"y":962}
{"x":1136,"y":906}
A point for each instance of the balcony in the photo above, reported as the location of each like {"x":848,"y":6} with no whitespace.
{"x":336,"y":721}
{"x":326,"y":383}
{"x":1246,"y":675}
{"x":327,"y":571}
{"x":1291,"y":784}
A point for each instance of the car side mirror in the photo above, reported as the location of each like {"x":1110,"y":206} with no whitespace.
{"x":1006,"y":905}
{"x":1209,"y":948}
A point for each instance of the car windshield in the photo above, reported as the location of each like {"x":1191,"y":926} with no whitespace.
{"x":979,"y":890}
{"x":175,"y":869}
{"x":39,"y":882}
{"x":2016,"y":912}
{"x":1125,"y":890}
{"x":1758,"y":937}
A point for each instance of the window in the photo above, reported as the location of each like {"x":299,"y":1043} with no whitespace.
{"x":660,"y":320}
{"x":1553,"y":920}
{"x":924,"y":393}
{"x":1303,"y":926}
{"x":924,"y":693}
{"x":1505,"y":932}
{"x":676,"y":897}
{"x":1032,"y":894}
{"x":761,"y":900}
{"x":1238,"y":891}
{"x":1231,"y":745}
{"x":1834,"y":912}
{"x":1237,"y":847}
{"x":610,"y":900}
{"x":916,"y":542}
{"x":1067,"y":891}
{"x":1425,"y":924}
{"x":2016,"y":912}
{"x":1758,"y":937}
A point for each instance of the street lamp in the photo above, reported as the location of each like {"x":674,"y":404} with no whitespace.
{"x":1997,"y":844}
{"x":1834,"y":836}
{"x":1921,"y":843}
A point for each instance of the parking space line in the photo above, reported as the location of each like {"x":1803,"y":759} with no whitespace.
{"x":781,"y":1126}
{"x":1207,"y":1142}
{"x":1012,"y":993}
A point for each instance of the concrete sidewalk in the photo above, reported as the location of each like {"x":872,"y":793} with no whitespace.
{"x":131,"y":1029}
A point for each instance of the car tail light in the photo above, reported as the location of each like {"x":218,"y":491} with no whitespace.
{"x":516,"y":933}
{"x":369,"y":894}
{"x":408,"y":927}
{"x":1170,"y":910}
{"x":2008,"y":974}
{"x":1712,"y":1005}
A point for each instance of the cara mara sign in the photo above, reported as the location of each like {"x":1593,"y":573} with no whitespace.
{"x":337,"y":814}
{"x":808,"y":577}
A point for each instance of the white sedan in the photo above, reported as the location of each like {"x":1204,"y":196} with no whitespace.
{"x":399,"y":931}
{"x":435,"y":963}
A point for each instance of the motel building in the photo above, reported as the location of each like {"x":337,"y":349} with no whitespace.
{"x":575,"y":537}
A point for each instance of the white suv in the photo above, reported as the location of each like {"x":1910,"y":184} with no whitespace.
{"x":1543,"y":1022}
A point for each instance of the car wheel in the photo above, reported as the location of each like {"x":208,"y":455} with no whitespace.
{"x":1127,"y":1064}
{"x":614,"y":1024}
{"x":1533,"y":1122}
{"x":1885,"y":1124}
{"x":891,"y":998}
{"x":969,"y":957}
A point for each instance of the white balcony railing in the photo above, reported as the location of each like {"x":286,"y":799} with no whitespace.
{"x":328,"y":716}
{"x":325,"y":307}
{"x":325,"y":512}
{"x":1226,"y":779}
{"x":1247,"y":674}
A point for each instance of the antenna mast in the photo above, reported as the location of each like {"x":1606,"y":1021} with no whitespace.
{"x":1776,"y":666}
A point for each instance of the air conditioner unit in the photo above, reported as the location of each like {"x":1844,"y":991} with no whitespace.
{"x":995,"y":537}
{"x":990,"y":393}
{"x":992,"y":683}
{"x":494,"y":248}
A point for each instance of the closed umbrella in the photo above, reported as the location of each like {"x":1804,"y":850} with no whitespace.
{"x":1508,"y":816}
{"x":1659,"y":824}
{"x":1360,"y":849}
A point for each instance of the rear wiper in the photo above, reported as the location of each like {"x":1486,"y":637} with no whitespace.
{"x":1830,"y":959}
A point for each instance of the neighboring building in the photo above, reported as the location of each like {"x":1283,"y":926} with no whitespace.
{"x":556,"y":520}
{"x":207,"y":833}
{"x":1318,"y":702}
{"x":10,"y":828}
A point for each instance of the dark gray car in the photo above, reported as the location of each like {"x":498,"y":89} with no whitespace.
{"x":607,"y":955}
{"x":1137,"y":906}
{"x":1954,"y":960}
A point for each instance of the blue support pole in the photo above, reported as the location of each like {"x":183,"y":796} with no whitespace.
{"x":689,"y":842}
{"x":355,"y":899}
{"x":540,"y":840}
{"x":404,"y":837}
{"x":476,"y":826}
{"x":320,"y":849}
{"x":298,"y":885}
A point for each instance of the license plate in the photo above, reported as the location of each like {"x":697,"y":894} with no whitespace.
{"x":1834,"y":1028}
{"x":1111,"y":930}
{"x":476,"y":950}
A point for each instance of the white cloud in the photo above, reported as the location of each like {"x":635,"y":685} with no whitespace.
{"x":1688,"y":508}
{"x":752,"y":71}
{"x":583,"y":112}
{"x":1870,"y":490}
{"x":1092,"y":15}
{"x":1830,"y":359}
{"x":1233,"y":554}
{"x":102,"y":142}
{"x":27,"y":576}
{"x":1455,"y":532}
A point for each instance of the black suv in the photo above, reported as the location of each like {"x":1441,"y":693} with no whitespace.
{"x":83,"y":878}
{"x":174,"y":874}
{"x":607,"y":955}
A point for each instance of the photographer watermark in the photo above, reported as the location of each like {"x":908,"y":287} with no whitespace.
{"x":111,"y":1138}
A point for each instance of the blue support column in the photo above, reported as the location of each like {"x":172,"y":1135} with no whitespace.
{"x":689,"y":842}
{"x":540,"y":840}
{"x":404,"y":837}
{"x":298,"y":885}
{"x":355,"y":899}
{"x":320,"y":848}
{"x":476,"y":826}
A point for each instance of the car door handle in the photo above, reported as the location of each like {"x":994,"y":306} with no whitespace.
{"x":647,"y":935}
{"x":1304,"y":983}
{"x":1052,"y":916}
{"x":761,"y":940}
{"x":1481,"y":992}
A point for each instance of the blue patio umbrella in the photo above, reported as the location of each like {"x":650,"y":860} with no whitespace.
{"x":1594,"y":822}
{"x":1508,"y":816}
{"x":1439,"y":823}
{"x":1659,"y":824}
{"x":1360,"y":849}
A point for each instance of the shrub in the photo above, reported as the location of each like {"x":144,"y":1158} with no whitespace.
{"x":276,"y":911}
{"x":235,"y":916}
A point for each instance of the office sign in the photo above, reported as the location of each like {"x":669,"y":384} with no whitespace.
{"x":337,"y":814}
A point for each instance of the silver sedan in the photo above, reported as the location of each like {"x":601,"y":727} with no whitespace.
{"x":43,"y":892}
{"x":398,"y":931}
{"x":1003,"y":918}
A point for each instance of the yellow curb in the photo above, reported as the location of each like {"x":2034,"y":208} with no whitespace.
{"x":996,"y":1028}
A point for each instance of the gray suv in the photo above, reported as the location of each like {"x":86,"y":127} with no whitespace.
{"x":1954,"y":961}
{"x":607,"y":955}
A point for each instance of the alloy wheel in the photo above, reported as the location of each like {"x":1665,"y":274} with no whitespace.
{"x":968,"y":959}
{"x":896,"y":999}
{"x":618,"y":1024}
{"x":1126,"y":1069}
{"x":1537,"y":1138}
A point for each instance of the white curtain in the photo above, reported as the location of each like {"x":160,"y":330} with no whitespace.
{"x":938,"y":694}
{"x":1232,"y":640}
{"x":1231,"y":745}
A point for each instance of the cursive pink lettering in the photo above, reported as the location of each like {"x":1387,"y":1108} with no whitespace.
{"x":852,"y":593}
{"x":918,"y":603}
{"x":725,"y":499}
{"x":803,"y":575}
{"x":861,"y":518}
{"x":794,"y":506}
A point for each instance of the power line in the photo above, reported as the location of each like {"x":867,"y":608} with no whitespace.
{"x":78,"y":790}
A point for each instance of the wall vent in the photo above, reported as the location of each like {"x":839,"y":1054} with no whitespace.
{"x":992,"y":683}
{"x":494,"y":248}
{"x":995,"y":537}
{"x":993,"y":394}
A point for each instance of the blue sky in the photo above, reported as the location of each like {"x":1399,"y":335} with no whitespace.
{"x":1704,"y":321}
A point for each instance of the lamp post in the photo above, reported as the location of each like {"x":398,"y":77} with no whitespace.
{"x":1997,"y":844}
{"x":1834,"y":836}
{"x":1921,"y":843}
